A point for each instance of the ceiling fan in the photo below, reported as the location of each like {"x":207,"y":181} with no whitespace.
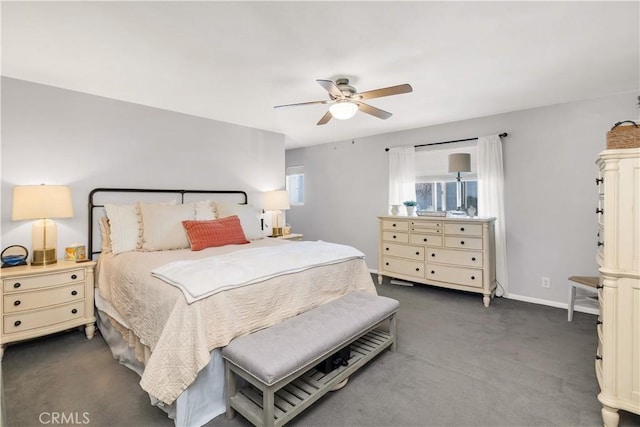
{"x":346,"y":101}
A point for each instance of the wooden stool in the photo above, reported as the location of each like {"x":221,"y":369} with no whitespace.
{"x":588,"y":283}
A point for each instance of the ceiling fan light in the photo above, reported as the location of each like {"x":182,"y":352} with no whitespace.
{"x":343,"y":109}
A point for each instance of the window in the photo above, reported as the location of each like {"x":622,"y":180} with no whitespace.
{"x":442,"y":195}
{"x":295,"y":185}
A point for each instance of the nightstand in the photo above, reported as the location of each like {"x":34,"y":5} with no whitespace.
{"x":292,"y":236}
{"x":38,"y":301}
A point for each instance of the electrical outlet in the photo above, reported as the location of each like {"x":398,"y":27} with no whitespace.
{"x":546,"y":282}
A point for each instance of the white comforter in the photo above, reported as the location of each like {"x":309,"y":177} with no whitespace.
{"x":181,"y":335}
{"x":200,"y":278}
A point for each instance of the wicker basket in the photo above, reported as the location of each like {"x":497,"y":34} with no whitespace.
{"x":624,"y":136}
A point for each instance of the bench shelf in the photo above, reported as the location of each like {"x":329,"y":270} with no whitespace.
{"x":303,"y":391}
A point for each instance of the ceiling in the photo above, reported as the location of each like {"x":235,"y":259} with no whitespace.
{"x":233,"y":61}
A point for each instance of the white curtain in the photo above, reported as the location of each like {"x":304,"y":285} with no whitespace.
{"x":402,"y":174}
{"x":491,"y":199}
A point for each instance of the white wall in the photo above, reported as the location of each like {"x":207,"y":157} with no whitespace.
{"x":56,"y":136}
{"x":550,"y":190}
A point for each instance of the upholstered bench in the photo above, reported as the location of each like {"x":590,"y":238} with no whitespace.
{"x":278,"y":362}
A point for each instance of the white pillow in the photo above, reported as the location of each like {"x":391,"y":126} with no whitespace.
{"x":249,"y":218}
{"x":125,"y":228}
{"x":162,"y":226}
{"x":205,"y":210}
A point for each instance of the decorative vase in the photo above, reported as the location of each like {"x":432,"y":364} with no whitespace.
{"x":395,"y":209}
{"x":411,"y":210}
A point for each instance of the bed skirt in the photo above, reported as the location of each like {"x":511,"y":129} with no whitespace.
{"x":202,"y":401}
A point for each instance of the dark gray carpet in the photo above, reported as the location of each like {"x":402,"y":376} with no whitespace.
{"x":458,"y":364}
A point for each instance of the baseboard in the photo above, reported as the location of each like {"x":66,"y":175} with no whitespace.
{"x":563,"y":305}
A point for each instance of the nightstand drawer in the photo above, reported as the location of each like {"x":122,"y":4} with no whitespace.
{"x":462,"y":242}
{"x":404,"y":251}
{"x":16,"y":302}
{"x":449,"y":256}
{"x":15,"y":323}
{"x":391,"y":236}
{"x":42,"y":280}
{"x":403,"y":266}
{"x":460,"y":276}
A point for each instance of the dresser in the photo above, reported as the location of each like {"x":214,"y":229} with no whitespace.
{"x":38,"y":301}
{"x":618,"y":255}
{"x":455,"y":253}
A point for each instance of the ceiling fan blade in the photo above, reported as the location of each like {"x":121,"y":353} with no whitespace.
{"x":303,"y":103}
{"x":387,"y":91}
{"x":366,"y":108}
{"x":325,"y":119}
{"x":331,"y":87}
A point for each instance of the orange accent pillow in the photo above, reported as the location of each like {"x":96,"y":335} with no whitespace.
{"x":215,"y":232}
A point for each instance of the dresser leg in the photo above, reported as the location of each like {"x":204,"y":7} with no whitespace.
{"x":379,"y":279}
{"x":486,"y":300}
{"x":89,"y":330}
{"x":610,"y":416}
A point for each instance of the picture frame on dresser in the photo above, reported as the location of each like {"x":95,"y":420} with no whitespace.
{"x":450,"y":252}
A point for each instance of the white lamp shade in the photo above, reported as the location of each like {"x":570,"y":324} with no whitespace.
{"x":276,"y":200}
{"x":41,"y":201}
{"x":459,"y":162}
{"x":343,"y":109}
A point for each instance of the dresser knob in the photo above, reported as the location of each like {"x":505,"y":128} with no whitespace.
{"x":16,"y":303}
{"x":386,"y":263}
{"x":433,"y":272}
{"x":16,"y":285}
{"x":473,"y":277}
{"x":599,"y":322}
{"x":461,"y":228}
{"x":599,"y":286}
{"x":433,"y":255}
{"x":600,"y":243}
{"x":473,"y":258}
{"x":424,"y":240}
{"x":417,"y":253}
{"x":394,"y":237}
{"x":386,"y":249}
{"x":462,"y":242}
{"x":74,"y":293}
{"x":17,"y":323}
{"x":599,"y":211}
{"x":74,"y":311}
{"x":598,"y":357}
{"x":417,"y":269}
{"x":599,"y":181}
{"x":74,"y":276}
{"x":393,"y":225}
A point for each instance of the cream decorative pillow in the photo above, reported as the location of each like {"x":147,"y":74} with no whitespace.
{"x":249,"y":218}
{"x":205,"y":210}
{"x":105,"y":235}
{"x":125,"y":229}
{"x":162,"y":226}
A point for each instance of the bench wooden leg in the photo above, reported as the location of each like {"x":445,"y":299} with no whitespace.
{"x":392,"y":331}
{"x":231,"y":390}
{"x":268,"y":406}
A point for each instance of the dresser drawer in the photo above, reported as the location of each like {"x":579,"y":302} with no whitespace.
{"x":426,"y":227}
{"x":460,"y":276}
{"x":21,"y":301}
{"x":42,"y":280}
{"x":426,"y":239}
{"x":461,"y":242}
{"x":403,"y":266}
{"x":404,"y":251}
{"x":19,"y":322}
{"x":395,"y":225}
{"x":392,"y":236}
{"x":463,"y":229}
{"x":449,"y":256}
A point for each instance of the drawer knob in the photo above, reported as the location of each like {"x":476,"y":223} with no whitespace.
{"x":394,"y":237}
{"x":16,"y":285}
{"x":600,"y":243}
{"x":17,"y":323}
{"x":599,"y":181}
{"x":425,"y":239}
{"x":598,"y":357}
{"x":386,"y":249}
{"x":599,"y":211}
{"x":16,"y":303}
{"x":393,"y":225}
{"x":599,"y":322}
{"x":473,"y":258}
{"x":599,"y":286}
{"x":417,"y":253}
{"x":74,"y":293}
{"x":461,"y":228}
{"x":417,"y":269}
{"x":74,"y":276}
{"x":462,"y":242}
{"x":74,"y":311}
{"x":433,"y":255}
{"x":473,"y":277}
{"x":433,"y":272}
{"x":386,"y":263}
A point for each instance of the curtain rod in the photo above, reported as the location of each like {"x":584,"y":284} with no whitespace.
{"x":502,"y":135}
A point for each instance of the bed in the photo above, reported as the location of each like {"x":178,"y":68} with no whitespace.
{"x":172,"y":338}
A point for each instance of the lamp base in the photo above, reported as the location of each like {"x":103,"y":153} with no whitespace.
{"x":44,"y":257}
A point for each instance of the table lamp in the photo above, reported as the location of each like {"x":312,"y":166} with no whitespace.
{"x":42,"y":202}
{"x":459,"y":162}
{"x":276,"y":201}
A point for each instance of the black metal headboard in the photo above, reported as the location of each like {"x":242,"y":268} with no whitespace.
{"x":96,"y":191}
